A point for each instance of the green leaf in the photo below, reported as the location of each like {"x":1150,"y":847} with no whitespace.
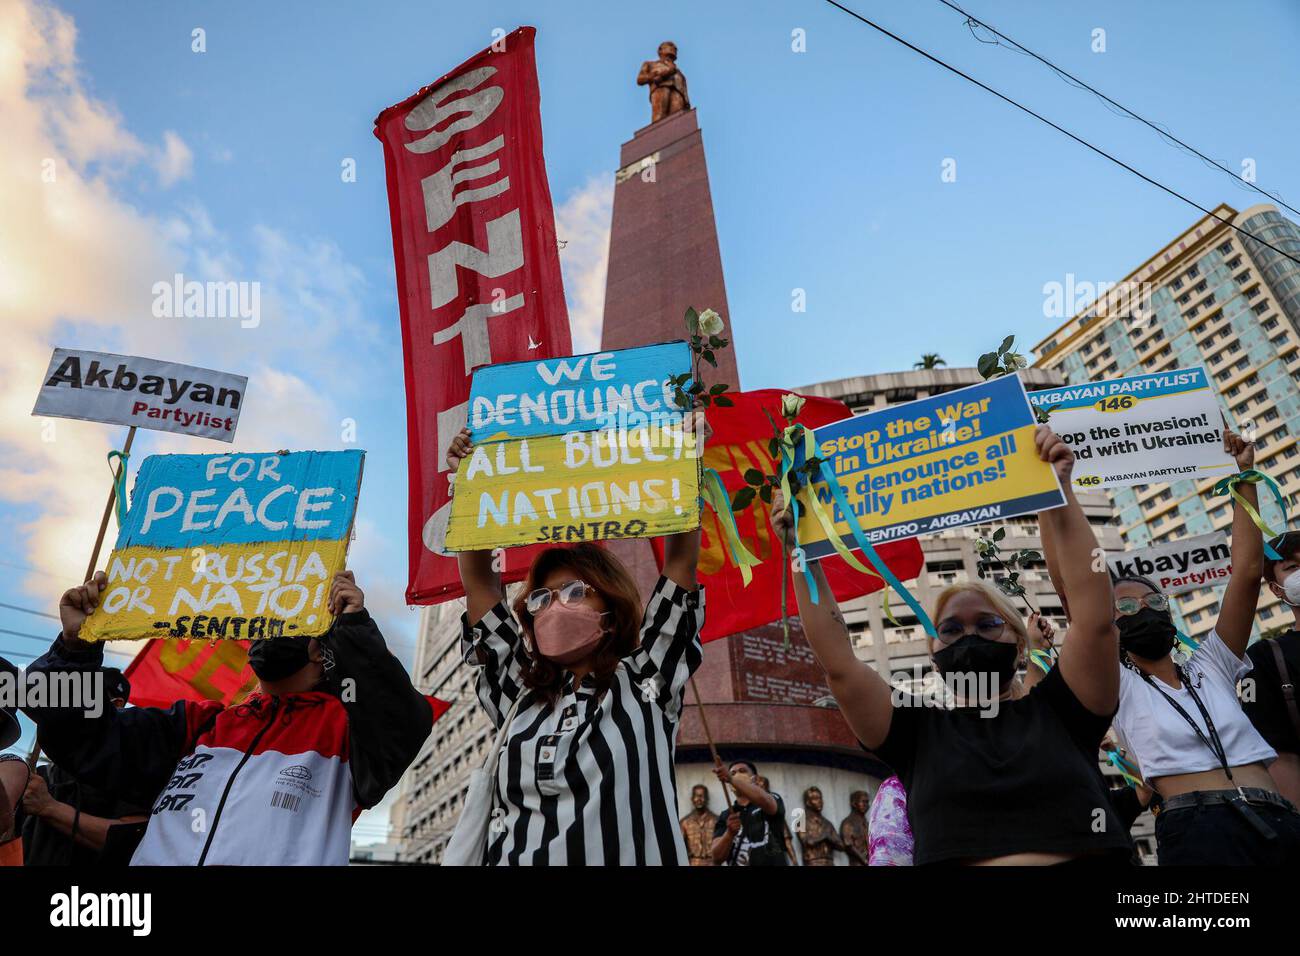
{"x":715,"y":342}
{"x":682,"y":400}
{"x":988,"y":364}
{"x":723,"y":401}
{"x":753,"y":476}
{"x":692,"y":321}
{"x":705,"y":400}
{"x":708,"y":357}
{"x":743,"y":499}
{"x":999,"y":534}
{"x":1028,"y":555}
{"x":1006,"y":344}
{"x":766,"y":494}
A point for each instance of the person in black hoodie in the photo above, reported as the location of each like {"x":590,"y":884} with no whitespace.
{"x":277,"y":779}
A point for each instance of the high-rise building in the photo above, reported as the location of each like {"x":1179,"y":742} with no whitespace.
{"x":1210,"y":297}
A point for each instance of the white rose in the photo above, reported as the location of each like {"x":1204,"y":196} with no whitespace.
{"x":710,"y":322}
{"x":791,"y":405}
{"x":1016,"y":360}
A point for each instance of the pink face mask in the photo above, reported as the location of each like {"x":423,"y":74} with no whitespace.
{"x":567,"y":632}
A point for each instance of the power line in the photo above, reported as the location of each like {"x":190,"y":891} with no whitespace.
{"x":46,"y":639}
{"x":1162,"y":131}
{"x":1061,"y":129}
{"x":27,"y":610}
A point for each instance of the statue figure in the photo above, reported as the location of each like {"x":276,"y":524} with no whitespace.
{"x":819,"y":838}
{"x":667,"y":83}
{"x":697,"y":827}
{"x":853,"y":829}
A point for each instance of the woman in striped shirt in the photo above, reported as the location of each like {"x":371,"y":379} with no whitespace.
{"x":586,"y":773}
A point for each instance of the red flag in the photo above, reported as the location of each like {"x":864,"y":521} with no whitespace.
{"x":181,"y":669}
{"x":740,"y":442}
{"x":170,"y":670}
{"x":478,"y":267}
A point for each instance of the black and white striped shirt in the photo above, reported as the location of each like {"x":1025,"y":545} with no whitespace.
{"x":589,"y":779}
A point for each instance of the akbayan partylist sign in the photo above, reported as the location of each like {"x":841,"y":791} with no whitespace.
{"x":961,"y":458}
{"x":581,"y":448}
{"x":129,"y":390}
{"x":1178,"y":566}
{"x":1141,"y":429}
{"x":230,"y":546}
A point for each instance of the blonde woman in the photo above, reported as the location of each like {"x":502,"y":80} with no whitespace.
{"x":1009,"y":775}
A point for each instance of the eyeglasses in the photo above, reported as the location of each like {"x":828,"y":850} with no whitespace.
{"x":571,"y":593}
{"x":990,"y":628}
{"x":1131,"y":605}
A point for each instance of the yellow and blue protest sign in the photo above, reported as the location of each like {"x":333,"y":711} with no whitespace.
{"x":239,"y":546}
{"x":961,"y":458}
{"x":579,"y":448}
{"x":1140,"y":429}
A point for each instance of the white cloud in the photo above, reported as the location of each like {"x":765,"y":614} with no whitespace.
{"x":582,"y":224}
{"x":175,"y":161}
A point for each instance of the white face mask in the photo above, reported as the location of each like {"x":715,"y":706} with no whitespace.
{"x":1291,"y":588}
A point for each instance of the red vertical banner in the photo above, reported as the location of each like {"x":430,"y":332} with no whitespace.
{"x":478,"y":267}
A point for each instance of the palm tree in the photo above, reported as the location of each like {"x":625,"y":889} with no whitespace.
{"x":929,"y":360}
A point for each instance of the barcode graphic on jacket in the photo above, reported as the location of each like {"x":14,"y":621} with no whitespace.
{"x":286,"y":801}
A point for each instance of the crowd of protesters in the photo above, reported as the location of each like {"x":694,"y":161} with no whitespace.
{"x":585,"y":685}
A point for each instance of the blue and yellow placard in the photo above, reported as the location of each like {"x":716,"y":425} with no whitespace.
{"x":580,"y":448}
{"x":961,"y":458}
{"x":233,"y":546}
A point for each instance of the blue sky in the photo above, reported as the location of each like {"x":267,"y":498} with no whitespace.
{"x":825,"y":168}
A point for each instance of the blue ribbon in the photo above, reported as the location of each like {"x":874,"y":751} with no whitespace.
{"x":860,"y":537}
{"x":810,"y":579}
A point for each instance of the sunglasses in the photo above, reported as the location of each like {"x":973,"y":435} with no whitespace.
{"x":1131,"y":605}
{"x":571,"y":593}
{"x":990,"y":628}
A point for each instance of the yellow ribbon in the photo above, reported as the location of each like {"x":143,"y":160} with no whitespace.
{"x":714,"y":493}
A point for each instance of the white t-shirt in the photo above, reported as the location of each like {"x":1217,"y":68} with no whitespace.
{"x":1158,"y":737}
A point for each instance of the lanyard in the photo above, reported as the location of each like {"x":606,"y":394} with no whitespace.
{"x":1213,"y":741}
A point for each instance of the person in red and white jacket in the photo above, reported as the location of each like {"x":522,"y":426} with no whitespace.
{"x":278,"y":779}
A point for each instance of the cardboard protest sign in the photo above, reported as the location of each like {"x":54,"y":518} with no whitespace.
{"x":1141,"y":429}
{"x":230,"y":546}
{"x":580,"y":448}
{"x":961,"y":458}
{"x":1178,"y":566}
{"x":129,"y":390}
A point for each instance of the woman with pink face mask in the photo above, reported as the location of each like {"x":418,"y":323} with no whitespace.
{"x":595,"y":687}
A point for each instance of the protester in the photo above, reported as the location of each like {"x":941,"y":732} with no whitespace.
{"x":278,"y":779}
{"x":753,"y":831}
{"x":596,"y":690}
{"x":1182,"y":720}
{"x":1274,"y":707}
{"x":888,"y":828}
{"x":766,"y":784}
{"x":13,"y":777}
{"x":968,"y":802}
{"x":67,"y":822}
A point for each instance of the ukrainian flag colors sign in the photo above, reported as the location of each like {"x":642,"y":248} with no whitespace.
{"x":230,"y":546}
{"x":961,"y":458}
{"x":580,"y":448}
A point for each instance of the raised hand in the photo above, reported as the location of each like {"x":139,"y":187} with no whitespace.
{"x":77,"y":603}
{"x":1241,"y":450}
{"x":345,"y":596}
{"x":1055,"y":452}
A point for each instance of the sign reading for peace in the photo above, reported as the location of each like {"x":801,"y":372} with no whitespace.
{"x":961,"y":458}
{"x":1140,"y":429}
{"x":580,"y":448}
{"x":230,"y":546}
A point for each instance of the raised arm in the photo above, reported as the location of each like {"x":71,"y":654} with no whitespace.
{"x":1089,"y":660}
{"x":864,"y":697}
{"x":478,"y":571}
{"x":682,"y":550}
{"x":1241,"y":596}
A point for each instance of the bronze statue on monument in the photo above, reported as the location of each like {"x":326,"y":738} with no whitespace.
{"x":853,"y":829}
{"x":667,"y":83}
{"x":697,"y":827}
{"x":819,"y":838}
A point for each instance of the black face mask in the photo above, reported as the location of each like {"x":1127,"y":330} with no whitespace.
{"x":276,"y":658}
{"x":1148,"y":633}
{"x":972,"y":654}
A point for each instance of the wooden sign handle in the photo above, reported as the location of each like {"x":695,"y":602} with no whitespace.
{"x":108,"y":508}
